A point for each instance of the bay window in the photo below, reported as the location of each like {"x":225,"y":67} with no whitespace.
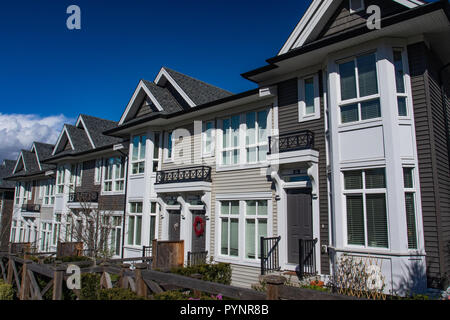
{"x":138,"y":154}
{"x":98,"y":171}
{"x":75,"y":176}
{"x":60,"y":180}
{"x":49,"y":192}
{"x":231,"y":140}
{"x":135,"y":223}
{"x":114,"y":175}
{"x":400,"y":83}
{"x":410,"y":207}
{"x":365,"y":200}
{"x":256,"y":136}
{"x":208,"y":138}
{"x":360,"y":99}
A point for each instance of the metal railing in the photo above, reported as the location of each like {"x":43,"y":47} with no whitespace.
{"x":200,"y":173}
{"x":196,"y":258}
{"x":307,"y":257}
{"x":300,"y":140}
{"x":83,"y":196}
{"x":147,"y":251}
{"x":269,"y":254}
{"x":31,"y":208}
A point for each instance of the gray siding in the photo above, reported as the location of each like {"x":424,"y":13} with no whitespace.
{"x":434,"y":171}
{"x":288,"y":122}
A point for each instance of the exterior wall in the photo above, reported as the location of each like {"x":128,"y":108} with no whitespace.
{"x":6,"y":218}
{"x":432,"y":133}
{"x":288,"y":115}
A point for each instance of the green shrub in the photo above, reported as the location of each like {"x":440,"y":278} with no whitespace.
{"x":118,"y":294}
{"x":90,"y":286}
{"x":6,"y":291}
{"x":184,"y":295}
{"x":220,"y":273}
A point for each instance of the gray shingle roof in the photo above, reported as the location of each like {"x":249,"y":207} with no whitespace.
{"x":164,"y":97}
{"x":6,"y":169}
{"x":198,"y":91}
{"x":31,"y":163}
{"x":44,"y":152}
{"x":79,"y":139}
{"x":96,"y":126}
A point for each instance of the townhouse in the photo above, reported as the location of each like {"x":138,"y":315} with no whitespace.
{"x":343,"y":148}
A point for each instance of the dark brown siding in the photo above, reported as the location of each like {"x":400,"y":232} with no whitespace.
{"x":434,"y":170}
{"x":288,"y":122}
{"x":343,"y":20}
{"x":7,"y":211}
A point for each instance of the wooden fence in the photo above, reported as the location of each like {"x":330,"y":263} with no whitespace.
{"x":141,"y":280}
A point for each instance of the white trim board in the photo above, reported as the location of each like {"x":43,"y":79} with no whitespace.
{"x":64,"y":130}
{"x":17,"y":162}
{"x":37,"y":155}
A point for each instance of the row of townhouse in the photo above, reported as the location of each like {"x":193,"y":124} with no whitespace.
{"x":344,"y":145}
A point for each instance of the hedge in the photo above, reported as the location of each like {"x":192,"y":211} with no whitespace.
{"x":6,"y":291}
{"x":220,"y":272}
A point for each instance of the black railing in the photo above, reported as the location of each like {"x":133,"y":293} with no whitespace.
{"x":307,"y":257}
{"x":147,"y":251}
{"x":300,"y":140}
{"x":269,"y":254}
{"x":200,"y":173}
{"x":196,"y":258}
{"x":31,"y":208}
{"x":83,"y":196}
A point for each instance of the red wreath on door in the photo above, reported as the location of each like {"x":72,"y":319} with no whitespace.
{"x":199,"y":226}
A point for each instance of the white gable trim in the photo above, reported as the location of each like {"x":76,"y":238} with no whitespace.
{"x":37,"y":156}
{"x":163,"y":72}
{"x":80,"y":120}
{"x":141,"y":86}
{"x":312,"y":17}
{"x":17,"y":163}
{"x":64,"y":130}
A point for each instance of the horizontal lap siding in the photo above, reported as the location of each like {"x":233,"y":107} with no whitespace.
{"x":243,"y":276}
{"x":288,"y":122}
{"x":433,"y":159}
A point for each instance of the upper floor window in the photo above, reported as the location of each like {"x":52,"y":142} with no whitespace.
{"x":98,"y":171}
{"x":169,"y":144}
{"x":49,"y":192}
{"x":60,"y":180}
{"x":256,"y":136}
{"x":365,"y":200}
{"x":138,"y":154}
{"x":231,"y":140}
{"x":400,"y":83}
{"x":75,"y":176}
{"x":27,"y":194}
{"x":114,"y":177}
{"x":208,"y":138}
{"x":309,"y":100}
{"x":17,"y":192}
{"x":360,"y":98}
{"x":156,"y":148}
{"x":356,"y":5}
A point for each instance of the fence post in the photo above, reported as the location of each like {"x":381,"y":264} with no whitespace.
{"x":123,"y":281}
{"x":141,"y":286}
{"x":10,"y":275}
{"x":25,"y":283}
{"x":273,"y":286}
{"x":58,"y":278}
{"x":197,"y":293}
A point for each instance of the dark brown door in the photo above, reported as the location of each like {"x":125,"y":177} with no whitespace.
{"x":174,"y":225}
{"x":198,"y":242}
{"x":299,"y":220}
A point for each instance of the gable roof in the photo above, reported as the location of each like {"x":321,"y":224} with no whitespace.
{"x":95,"y":127}
{"x":6,"y":169}
{"x":43,"y":152}
{"x":317,"y":14}
{"x":171,"y":92}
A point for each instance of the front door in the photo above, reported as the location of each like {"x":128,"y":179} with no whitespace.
{"x":299,"y":220}
{"x":198,"y":238}
{"x":174,"y":225}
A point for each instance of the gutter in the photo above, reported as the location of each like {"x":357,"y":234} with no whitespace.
{"x":386,"y":22}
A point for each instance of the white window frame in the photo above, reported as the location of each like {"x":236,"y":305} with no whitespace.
{"x":17,"y":192}
{"x":405,"y":94}
{"x":258,"y":144}
{"x":140,"y":161}
{"x":49,"y":193}
{"x":358,"y":100}
{"x":13,"y":231}
{"x":364,"y":192}
{"x":412,"y":190}
{"x":354,"y":10}
{"x":210,"y":153}
{"x":113,"y":179}
{"x":136,"y":214}
{"x":60,"y":180}
{"x":46,"y":236}
{"x":56,"y":233}
{"x":155,"y":215}
{"x":302,"y":115}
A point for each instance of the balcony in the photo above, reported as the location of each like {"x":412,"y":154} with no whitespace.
{"x":300,"y":140}
{"x":187,"y":179}
{"x":31,"y":208}
{"x":83,"y":197}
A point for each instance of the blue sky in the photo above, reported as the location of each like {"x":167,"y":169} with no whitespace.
{"x":50,"y":71}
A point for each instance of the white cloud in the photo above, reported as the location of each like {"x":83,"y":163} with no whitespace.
{"x":19,"y":131}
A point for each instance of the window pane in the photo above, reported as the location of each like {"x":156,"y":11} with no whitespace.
{"x":251,"y":134}
{"x":355,"y":220}
{"x":224,"y":237}
{"x":399,"y":73}
{"x":262,"y":124}
{"x":309,"y":95}
{"x":234,"y":237}
{"x":235,"y":122}
{"x":130,"y":230}
{"x":251,"y":207}
{"x":138,"y":230}
{"x":224,"y":207}
{"x":402,"y":110}
{"x":234,"y":207}
{"x":348,"y":80}
{"x":156,"y":146}
{"x":262,"y":153}
{"x":152,"y":228}
{"x":143,"y":143}
{"x":250,"y":239}
{"x":367,"y":75}
{"x":262,"y":232}
{"x":375,"y":178}
{"x":262,"y":208}
{"x":235,"y":156}
{"x":349,"y":113}
{"x":226,"y":133}
{"x":408,"y":177}
{"x":135,"y":155}
{"x":226,"y":157}
{"x":377,"y":231}
{"x":353,"y":180}
{"x":411,"y":220}
{"x":251,"y":155}
{"x":169,"y":145}
{"x":370,"y":109}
